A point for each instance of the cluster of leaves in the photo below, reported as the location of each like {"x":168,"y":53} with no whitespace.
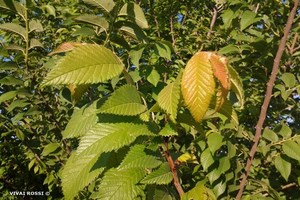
{"x":123,"y":120}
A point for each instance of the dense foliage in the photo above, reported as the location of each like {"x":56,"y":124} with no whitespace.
{"x":120,"y":99}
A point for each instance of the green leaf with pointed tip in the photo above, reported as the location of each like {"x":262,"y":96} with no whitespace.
{"x":270,"y":135}
{"x":135,"y":13}
{"x":135,"y":56}
{"x":229,"y":112}
{"x":35,"y":25}
{"x":236,"y":86}
{"x":120,"y":184}
{"x":206,"y":159}
{"x":162,"y":50}
{"x":199,"y":192}
{"x":283,"y":166}
{"x":106,"y":5}
{"x":81,"y":121}
{"x":8,"y":95}
{"x":248,"y":18}
{"x":124,"y":101}
{"x":214,"y":141}
{"x":168,"y":99}
{"x":289,"y":79}
{"x":13,"y":6}
{"x":153,"y":77}
{"x":291,"y":149}
{"x":88,"y":63}
{"x":103,"y":137}
{"x":10,"y":80}
{"x":133,"y":31}
{"x":161,"y":176}
{"x":35,"y":43}
{"x":159,"y":192}
{"x":168,"y":130}
{"x":16,"y":28}
{"x":49,"y":148}
{"x":139,"y":156}
{"x":94,"y":19}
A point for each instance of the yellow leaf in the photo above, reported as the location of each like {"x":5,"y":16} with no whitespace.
{"x":198,"y":84}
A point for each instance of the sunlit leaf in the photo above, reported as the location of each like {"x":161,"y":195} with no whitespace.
{"x":89,"y":63}
{"x":199,"y":192}
{"x":198,"y":84}
{"x":35,"y":25}
{"x":124,"y":101}
{"x":291,"y":149}
{"x":120,"y":184}
{"x":283,"y":166}
{"x":237,"y":86}
{"x":169,"y":97}
{"x":65,"y":47}
{"x":161,"y":176}
{"x":247,"y":19}
{"x":206,"y":159}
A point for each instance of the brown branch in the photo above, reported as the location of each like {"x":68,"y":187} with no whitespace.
{"x":213,"y":21}
{"x":172,"y":32}
{"x":267,"y":99}
{"x":173,"y":167}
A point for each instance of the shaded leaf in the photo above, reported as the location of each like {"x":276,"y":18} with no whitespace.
{"x":35,"y":25}
{"x":237,"y":86}
{"x":161,"y":176}
{"x":162,"y":50}
{"x":270,"y":135}
{"x":124,"y":101}
{"x":133,"y":31}
{"x":153,"y":77}
{"x":135,"y":13}
{"x":81,"y":122}
{"x":248,"y":18}
{"x":106,"y":5}
{"x":198,"y":84}
{"x":94,"y":19}
{"x":16,"y":28}
{"x":214,"y":141}
{"x":8,"y":95}
{"x":49,"y":148}
{"x":65,"y":47}
{"x":135,"y":56}
{"x":35,"y":43}
{"x":89,"y":63}
{"x":13,"y":6}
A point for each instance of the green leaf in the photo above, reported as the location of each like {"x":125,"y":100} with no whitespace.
{"x":16,"y":28}
{"x":35,"y":25}
{"x":94,"y":19}
{"x":50,"y":9}
{"x":161,"y":176}
{"x":135,"y":13}
{"x":291,"y":149}
{"x":199,"y":192}
{"x":214,"y":141}
{"x":237,"y":86}
{"x":10,"y":80}
{"x":289,"y":79}
{"x":153,"y":77}
{"x":17,"y":104}
{"x":228,"y":111}
{"x":247,"y":18}
{"x":157,"y":192}
{"x":8,"y":95}
{"x":162,"y":50}
{"x":198,"y":84}
{"x":224,"y":164}
{"x":213,"y":175}
{"x":227,"y":17}
{"x":49,"y":148}
{"x":285,"y":131}
{"x":135,"y":56}
{"x":13,"y":6}
{"x":81,"y":122}
{"x":168,"y":130}
{"x":124,"y":101}
{"x":270,"y":135}
{"x":133,"y":31}
{"x":15,"y":47}
{"x":120,"y":184}
{"x":83,"y":167}
{"x":283,"y":166}
{"x":169,"y":97}
{"x":106,"y":5}
{"x":8,"y":66}
{"x":88,"y":63}
{"x":206,"y":159}
{"x":35,"y":43}
{"x":140,"y":157}
{"x":229,"y":49}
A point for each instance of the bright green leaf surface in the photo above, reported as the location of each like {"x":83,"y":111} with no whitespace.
{"x":291,"y":149}
{"x":161,"y":176}
{"x":88,"y":63}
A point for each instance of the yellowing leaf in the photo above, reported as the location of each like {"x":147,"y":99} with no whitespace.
{"x":198,"y":84}
{"x":219,"y":65}
{"x":188,"y":157}
{"x":65,"y":47}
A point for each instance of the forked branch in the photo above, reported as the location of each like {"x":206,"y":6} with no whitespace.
{"x":268,"y":95}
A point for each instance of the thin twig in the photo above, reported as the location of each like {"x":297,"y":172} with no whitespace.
{"x":173,"y":167}
{"x":213,"y":21}
{"x":172,"y":32}
{"x":267,"y":99}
